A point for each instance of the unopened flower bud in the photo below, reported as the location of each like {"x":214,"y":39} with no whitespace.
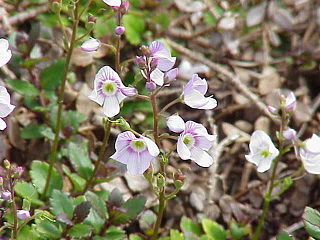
{"x":119,"y":30}
{"x":55,"y":6}
{"x":23,"y":214}
{"x":90,"y":45}
{"x":160,"y":181}
{"x":179,"y":176}
{"x":18,"y":172}
{"x":91,"y":18}
{"x":289,"y":134}
{"x":140,"y":61}
{"x":272,"y":110}
{"x":6,"y":195}
{"x":150,"y":86}
{"x":6,"y":164}
{"x":123,"y":124}
{"x":145,"y":50}
{"x":154,"y":63}
{"x":125,"y":6}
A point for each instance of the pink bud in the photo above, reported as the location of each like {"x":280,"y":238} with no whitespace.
{"x":6,"y":195}
{"x":150,"y":86}
{"x":140,"y":61}
{"x":289,"y":134}
{"x":125,"y":5}
{"x":23,"y":214}
{"x":119,"y":30}
{"x":272,"y":110}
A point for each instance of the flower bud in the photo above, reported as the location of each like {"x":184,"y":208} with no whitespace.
{"x":154,"y":63}
{"x":6,"y":164}
{"x":119,"y":30}
{"x":6,"y":195}
{"x":160,"y":181}
{"x":90,"y":45}
{"x":125,"y":6}
{"x":91,"y":18}
{"x":145,"y":50}
{"x":289,"y":134}
{"x":123,"y":124}
{"x":23,"y":214}
{"x":55,"y":6}
{"x":140,"y":61}
{"x":150,"y":86}
{"x":18,"y":172}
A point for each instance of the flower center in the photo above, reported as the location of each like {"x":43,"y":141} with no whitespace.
{"x":188,"y":140}
{"x":109,"y":88}
{"x":138,"y":145}
{"x":264,"y":153}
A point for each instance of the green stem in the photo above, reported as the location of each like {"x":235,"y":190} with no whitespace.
{"x":177,"y":100}
{"x":107,"y":128}
{"x":14,"y":208}
{"x":54,"y":146}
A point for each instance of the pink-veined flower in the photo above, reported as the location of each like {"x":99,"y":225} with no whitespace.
{"x":5,"y":107}
{"x":5,"y":52}
{"x":109,"y":91}
{"x":194,"y":141}
{"x":136,"y":153}
{"x":194,"y":91}
{"x":113,"y":3}
{"x":163,"y":55}
{"x":262,"y":151}
{"x":310,"y":154}
{"x":90,"y":45}
{"x":23,"y":214}
{"x":290,"y":102}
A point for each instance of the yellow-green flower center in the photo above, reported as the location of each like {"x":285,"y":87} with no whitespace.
{"x":138,"y":145}
{"x":188,"y":140}
{"x":109,"y":87}
{"x":264,"y":153}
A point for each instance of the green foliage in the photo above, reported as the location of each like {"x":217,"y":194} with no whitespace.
{"x":283,"y":236}
{"x":187,"y":225}
{"x":61,"y":203}
{"x":39,"y":172}
{"x":213,"y":230}
{"x":237,"y":231}
{"x":311,"y":221}
{"x":114,"y":233}
{"x":135,"y":27}
{"x":48,"y":229}
{"x":79,"y":230}
{"x":175,"y":235}
{"x":77,"y":181}
{"x":22,"y":87}
{"x":51,"y":76}
{"x":27,"y":191}
{"x":33,"y":131}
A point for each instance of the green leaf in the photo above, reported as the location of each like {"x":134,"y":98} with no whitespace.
{"x":51,"y":76}
{"x":26,"y":232}
{"x":311,"y":220}
{"x":134,"y":237}
{"x":213,"y":229}
{"x":98,"y":205}
{"x":48,"y":229}
{"x":284,"y":236}
{"x":22,"y":87}
{"x":79,"y":159}
{"x":77,"y":181}
{"x":175,"y":235}
{"x":27,"y":191}
{"x":94,"y":220}
{"x":187,"y":225}
{"x":133,"y":206}
{"x":237,"y":232}
{"x":39,"y":172}
{"x":61,"y":203}
{"x":135,"y":27}
{"x":114,"y":233}
{"x":37,"y":131}
{"x":80,"y":230}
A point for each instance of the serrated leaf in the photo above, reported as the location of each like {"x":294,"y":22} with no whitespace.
{"x":22,"y":87}
{"x":80,"y":230}
{"x":213,"y":229}
{"x":27,"y":191}
{"x":26,"y":232}
{"x":77,"y":181}
{"x":51,"y":76}
{"x":133,"y":207}
{"x":135,"y":27}
{"x":47,"y":229}
{"x":283,"y":236}
{"x":114,"y":233}
{"x":311,"y":221}
{"x":175,"y":235}
{"x":39,"y":172}
{"x":37,"y":131}
{"x":81,"y":211}
{"x":61,"y":203}
{"x":80,"y":160}
{"x":187,"y":225}
{"x":97,"y":204}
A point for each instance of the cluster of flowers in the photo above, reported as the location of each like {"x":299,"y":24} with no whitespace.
{"x":263,"y":151}
{"x":138,"y":152}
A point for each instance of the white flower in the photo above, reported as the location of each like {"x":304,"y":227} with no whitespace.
{"x":113,"y":3}
{"x":5,"y":107}
{"x":262,"y":151}
{"x":310,"y":154}
{"x":194,"y":141}
{"x":90,"y":45}
{"x":109,"y":91}
{"x":291,"y":102}
{"x":5,"y":52}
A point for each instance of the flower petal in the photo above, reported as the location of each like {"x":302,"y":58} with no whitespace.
{"x":113,"y":3}
{"x":138,"y":163}
{"x":5,"y":53}
{"x":111,"y":106}
{"x":201,"y":157}
{"x":172,"y":74}
{"x":152,"y":147}
{"x":5,"y":107}
{"x":3,"y":124}
{"x":106,"y":73}
{"x":128,"y":91}
{"x":90,"y":45}
{"x":124,"y":139}
{"x":94,"y":96}
{"x":195,"y":99}
{"x":175,"y":123}
{"x":157,"y":76}
{"x":165,"y":64}
{"x":211,"y":104}
{"x":183,"y":150}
